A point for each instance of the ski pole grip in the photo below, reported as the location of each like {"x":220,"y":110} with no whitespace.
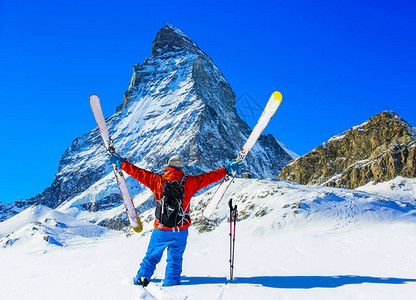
{"x":230,"y":204}
{"x":235,"y":213}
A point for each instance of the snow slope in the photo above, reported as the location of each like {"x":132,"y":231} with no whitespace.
{"x":292,"y":242}
{"x":39,"y":228}
{"x":275,"y":205}
{"x":399,"y":189}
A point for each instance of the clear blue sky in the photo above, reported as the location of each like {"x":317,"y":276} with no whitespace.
{"x":337,"y":63}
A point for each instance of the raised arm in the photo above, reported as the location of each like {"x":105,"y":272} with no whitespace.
{"x":198,"y":182}
{"x":149,"y":179}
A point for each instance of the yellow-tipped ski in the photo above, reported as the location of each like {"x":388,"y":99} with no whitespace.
{"x":273,"y":104}
{"x":138,"y":228}
{"x":268,"y":112}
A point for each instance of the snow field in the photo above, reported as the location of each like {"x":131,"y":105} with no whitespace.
{"x":376,"y":262}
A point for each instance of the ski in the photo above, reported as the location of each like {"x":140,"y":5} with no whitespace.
{"x":108,"y":143}
{"x":145,"y":294}
{"x":268,"y":112}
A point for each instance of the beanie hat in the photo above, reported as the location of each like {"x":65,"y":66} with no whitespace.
{"x":176,"y":161}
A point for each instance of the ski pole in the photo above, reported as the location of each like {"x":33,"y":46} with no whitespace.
{"x":235,"y":222}
{"x":233,"y":218}
{"x":230,"y":204}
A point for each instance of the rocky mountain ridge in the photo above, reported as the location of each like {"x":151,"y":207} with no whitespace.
{"x":378,"y":150}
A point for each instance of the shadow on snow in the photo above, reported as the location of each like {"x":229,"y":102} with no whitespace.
{"x":297,"y":282}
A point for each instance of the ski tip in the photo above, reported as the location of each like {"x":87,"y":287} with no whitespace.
{"x":277,"y":95}
{"x":94,"y":96}
{"x":139,"y":228}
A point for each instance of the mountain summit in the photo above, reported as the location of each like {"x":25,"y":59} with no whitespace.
{"x":171,"y":41}
{"x":178,"y":103}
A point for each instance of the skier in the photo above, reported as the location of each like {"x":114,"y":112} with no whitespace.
{"x":173,"y":238}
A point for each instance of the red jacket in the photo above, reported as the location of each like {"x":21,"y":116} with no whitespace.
{"x":155,"y":183}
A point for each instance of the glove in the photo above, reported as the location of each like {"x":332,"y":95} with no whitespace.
{"x":115,"y":159}
{"x":233,"y":166}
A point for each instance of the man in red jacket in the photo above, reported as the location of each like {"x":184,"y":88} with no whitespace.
{"x":173,"y":238}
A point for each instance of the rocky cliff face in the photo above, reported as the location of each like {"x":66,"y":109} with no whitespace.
{"x":178,"y":102}
{"x":378,"y":150}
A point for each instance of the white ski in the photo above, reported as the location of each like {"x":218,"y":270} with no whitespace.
{"x":268,"y":112}
{"x":108,"y":143}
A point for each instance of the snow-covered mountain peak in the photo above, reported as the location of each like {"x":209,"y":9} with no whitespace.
{"x":178,"y":103}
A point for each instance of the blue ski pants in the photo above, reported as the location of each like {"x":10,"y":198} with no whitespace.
{"x":160,"y":240}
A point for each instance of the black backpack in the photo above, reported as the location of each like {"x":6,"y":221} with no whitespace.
{"x":169,"y":210}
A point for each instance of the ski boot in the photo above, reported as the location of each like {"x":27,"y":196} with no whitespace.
{"x":141,"y":280}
